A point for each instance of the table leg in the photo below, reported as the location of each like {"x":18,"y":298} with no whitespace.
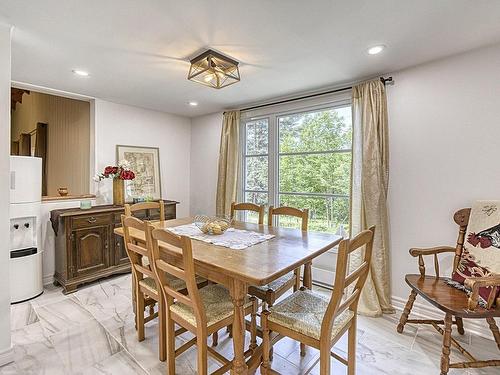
{"x":238,"y":293}
{"x":308,"y":275}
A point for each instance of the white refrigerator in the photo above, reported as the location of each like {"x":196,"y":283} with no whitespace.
{"x":25,"y":228}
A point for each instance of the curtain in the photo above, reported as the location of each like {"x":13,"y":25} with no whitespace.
{"x":370,"y":178}
{"x":229,"y":153}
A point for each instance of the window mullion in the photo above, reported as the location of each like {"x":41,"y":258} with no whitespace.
{"x":273,"y":161}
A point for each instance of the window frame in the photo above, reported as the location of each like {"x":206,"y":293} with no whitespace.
{"x":272,"y":114}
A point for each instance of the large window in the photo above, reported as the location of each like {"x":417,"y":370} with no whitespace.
{"x":301,"y":159}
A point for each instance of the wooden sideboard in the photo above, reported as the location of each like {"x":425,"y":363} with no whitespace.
{"x":86,"y":249}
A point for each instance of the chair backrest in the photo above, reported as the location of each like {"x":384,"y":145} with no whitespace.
{"x":461,"y":217}
{"x":345,"y":278}
{"x":136,"y":251}
{"x":248,"y":207}
{"x":162,"y":268}
{"x":130,"y":209}
{"x":289,"y":211}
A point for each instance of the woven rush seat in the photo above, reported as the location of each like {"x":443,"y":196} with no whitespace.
{"x":303,"y":312}
{"x":174,"y":282}
{"x":216,"y":301}
{"x":273,"y":285}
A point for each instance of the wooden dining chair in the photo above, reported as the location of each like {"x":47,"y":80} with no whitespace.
{"x":130,"y":209}
{"x":249,"y":207}
{"x":202,"y":311}
{"x":145,"y":291}
{"x":275,"y":289}
{"x":269,"y":293}
{"x":314,"y":320}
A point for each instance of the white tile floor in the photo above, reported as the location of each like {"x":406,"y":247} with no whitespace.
{"x":92,"y":332}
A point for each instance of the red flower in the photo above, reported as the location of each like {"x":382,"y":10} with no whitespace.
{"x":127,"y":175}
{"x":110,"y":170}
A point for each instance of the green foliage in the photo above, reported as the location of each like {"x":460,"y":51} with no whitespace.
{"x":321,"y":172}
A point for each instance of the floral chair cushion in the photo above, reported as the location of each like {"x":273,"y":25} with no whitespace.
{"x":303,"y":312}
{"x":481,"y":249}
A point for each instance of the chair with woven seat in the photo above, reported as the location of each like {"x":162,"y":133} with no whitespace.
{"x":317,"y":321}
{"x":145,"y":290}
{"x":248,"y":207}
{"x":275,"y":289}
{"x":460,"y":296}
{"x":202,"y":311}
{"x":269,"y":293}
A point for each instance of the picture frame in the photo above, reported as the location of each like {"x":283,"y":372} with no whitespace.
{"x":145,"y":163}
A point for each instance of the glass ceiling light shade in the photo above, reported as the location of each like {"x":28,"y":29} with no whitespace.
{"x":214,"y":70}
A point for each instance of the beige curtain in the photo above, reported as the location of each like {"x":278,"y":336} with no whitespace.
{"x":370,"y":178}
{"x":229,"y":153}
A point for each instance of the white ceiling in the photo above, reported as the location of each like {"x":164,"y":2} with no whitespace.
{"x":137,"y":52}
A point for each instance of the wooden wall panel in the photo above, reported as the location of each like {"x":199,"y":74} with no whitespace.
{"x":68,"y":138}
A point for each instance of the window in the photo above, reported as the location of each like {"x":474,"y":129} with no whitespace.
{"x":302,"y":159}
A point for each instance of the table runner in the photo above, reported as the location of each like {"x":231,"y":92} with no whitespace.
{"x":237,"y":239}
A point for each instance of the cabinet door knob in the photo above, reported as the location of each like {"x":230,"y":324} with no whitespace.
{"x":91,"y":220}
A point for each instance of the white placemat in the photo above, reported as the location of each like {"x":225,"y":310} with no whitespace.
{"x":237,"y":239}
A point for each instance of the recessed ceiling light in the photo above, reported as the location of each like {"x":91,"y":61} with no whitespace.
{"x":81,"y":73}
{"x":376,"y":49}
{"x":193,"y":104}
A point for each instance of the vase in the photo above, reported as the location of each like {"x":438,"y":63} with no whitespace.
{"x":118,"y":192}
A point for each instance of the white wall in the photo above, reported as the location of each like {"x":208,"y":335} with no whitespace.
{"x":5,"y":343}
{"x":444,"y":151}
{"x":117,"y":124}
{"x":205,"y":141}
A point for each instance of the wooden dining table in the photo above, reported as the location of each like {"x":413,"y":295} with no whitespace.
{"x":255,"y":265}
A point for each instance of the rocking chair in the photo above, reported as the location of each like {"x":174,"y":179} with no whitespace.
{"x":453,"y":302}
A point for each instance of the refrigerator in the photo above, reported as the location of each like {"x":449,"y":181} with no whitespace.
{"x":26,"y":281}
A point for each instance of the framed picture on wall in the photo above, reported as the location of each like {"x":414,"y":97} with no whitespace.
{"x":145,"y":163}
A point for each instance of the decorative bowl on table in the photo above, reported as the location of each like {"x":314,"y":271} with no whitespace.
{"x":212,"y":224}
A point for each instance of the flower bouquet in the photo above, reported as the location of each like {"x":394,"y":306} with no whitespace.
{"x":119,"y":174}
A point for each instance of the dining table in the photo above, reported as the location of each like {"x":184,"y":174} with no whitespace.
{"x":237,"y":269}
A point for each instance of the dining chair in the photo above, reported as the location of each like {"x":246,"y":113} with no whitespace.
{"x":130,"y":209}
{"x":317,"y":321}
{"x":248,"y":207}
{"x":145,"y":290}
{"x":275,"y":289}
{"x":202,"y":311}
{"x":269,"y":293}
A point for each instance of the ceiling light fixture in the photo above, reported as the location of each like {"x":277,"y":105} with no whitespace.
{"x":376,"y":49}
{"x":193,"y":104}
{"x":214,"y":70}
{"x":81,"y":73}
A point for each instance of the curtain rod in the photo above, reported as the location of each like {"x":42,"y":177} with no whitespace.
{"x":382,"y":79}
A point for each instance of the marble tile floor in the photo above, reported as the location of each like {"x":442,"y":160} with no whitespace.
{"x":92,"y":332}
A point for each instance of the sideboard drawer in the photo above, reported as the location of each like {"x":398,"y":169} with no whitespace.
{"x":91,"y":221}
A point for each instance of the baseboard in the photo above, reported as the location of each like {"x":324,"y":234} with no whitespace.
{"x":426,"y":311}
{"x":7,"y":356}
{"x":48,"y":279}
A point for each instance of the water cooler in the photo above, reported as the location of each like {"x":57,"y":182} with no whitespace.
{"x":26,"y":280}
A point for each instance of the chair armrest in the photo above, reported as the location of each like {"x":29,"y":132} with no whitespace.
{"x":474,"y":283}
{"x":417,"y":252}
{"x":414,"y":252}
